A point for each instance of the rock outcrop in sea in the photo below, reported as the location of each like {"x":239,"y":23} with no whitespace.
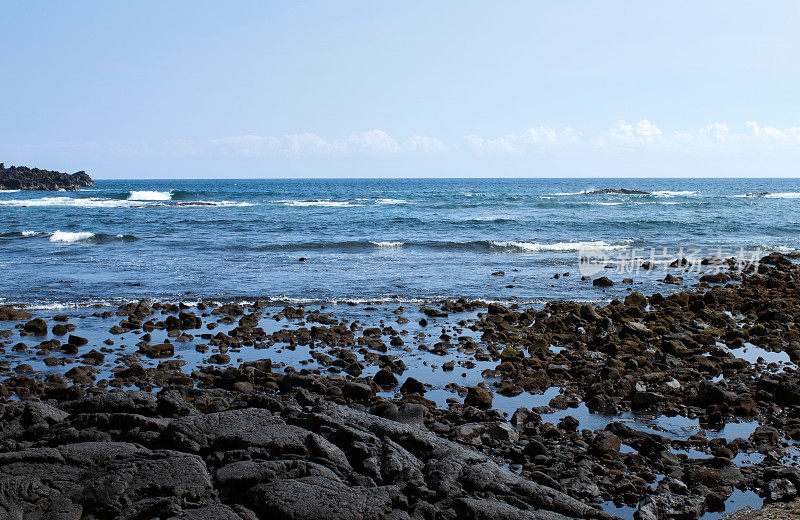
{"x":621,"y":191}
{"x":24,"y":178}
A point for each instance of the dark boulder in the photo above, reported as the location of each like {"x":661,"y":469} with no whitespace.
{"x":36,"y":326}
{"x":603,"y":281}
{"x":412,"y":386}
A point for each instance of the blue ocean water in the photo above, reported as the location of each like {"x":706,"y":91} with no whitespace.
{"x":368,"y":240}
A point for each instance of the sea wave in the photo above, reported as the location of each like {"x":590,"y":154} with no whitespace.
{"x":667,"y":193}
{"x":786,"y":195}
{"x":479,"y":246}
{"x":768,"y":195}
{"x":116,"y":202}
{"x":318,"y":202}
{"x":568,"y":193}
{"x":558,"y":246}
{"x":150,"y":195}
{"x":72,"y":237}
{"x":20,"y":234}
{"x":391,"y":201}
{"x":90,"y":202}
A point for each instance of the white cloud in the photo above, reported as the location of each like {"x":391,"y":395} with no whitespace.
{"x":365,"y":143}
{"x":539,"y":138}
{"x":373,"y":141}
{"x":425,"y":144}
{"x":623,"y":137}
{"x":770,"y":134}
{"x":245,"y":145}
{"x":624,"y":134}
{"x":304,"y":143}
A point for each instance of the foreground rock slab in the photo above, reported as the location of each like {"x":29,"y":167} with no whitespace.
{"x":138,"y":455}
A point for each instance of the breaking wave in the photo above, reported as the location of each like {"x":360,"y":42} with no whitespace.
{"x":72,"y":237}
{"x":150,"y":195}
{"x":558,"y":246}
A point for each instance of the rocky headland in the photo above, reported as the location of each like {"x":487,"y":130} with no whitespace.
{"x":123,"y":424}
{"x":24,"y":178}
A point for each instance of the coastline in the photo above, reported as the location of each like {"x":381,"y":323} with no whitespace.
{"x":636,"y":402}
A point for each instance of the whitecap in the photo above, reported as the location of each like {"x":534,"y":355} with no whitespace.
{"x":318,"y":202}
{"x":80,"y":304}
{"x":387,"y":244}
{"x":667,"y":193}
{"x":91,"y":202}
{"x":609,"y":203}
{"x":391,"y":201}
{"x":558,"y":246}
{"x":786,"y":195}
{"x":70,"y":237}
{"x":150,"y":195}
{"x":567,"y":193}
{"x":211,"y":203}
{"x":98,"y":202}
{"x":29,"y":233}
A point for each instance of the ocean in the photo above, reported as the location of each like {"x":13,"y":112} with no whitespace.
{"x":375,"y":240}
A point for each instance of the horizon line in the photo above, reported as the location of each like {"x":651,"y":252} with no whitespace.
{"x":429,"y":178}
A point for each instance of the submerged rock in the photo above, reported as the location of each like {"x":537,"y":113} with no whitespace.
{"x":617,"y":191}
{"x":12,"y":314}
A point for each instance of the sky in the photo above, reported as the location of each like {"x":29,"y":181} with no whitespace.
{"x":194,"y":89}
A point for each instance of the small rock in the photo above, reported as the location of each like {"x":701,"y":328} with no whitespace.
{"x":603,"y":281}
{"x":412,"y":386}
{"x":385,"y":379}
{"x":478,"y":397}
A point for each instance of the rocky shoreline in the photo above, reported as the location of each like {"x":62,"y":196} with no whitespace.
{"x":299,"y":413}
{"x":24,"y":178}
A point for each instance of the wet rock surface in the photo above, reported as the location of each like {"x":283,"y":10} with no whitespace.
{"x":659,"y":406}
{"x":138,"y":455}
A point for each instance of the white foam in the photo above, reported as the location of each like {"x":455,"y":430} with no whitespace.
{"x":319,"y":202}
{"x":92,"y":202}
{"x":9,"y":191}
{"x":786,"y":195}
{"x":229,"y":203}
{"x":150,"y":195}
{"x":391,"y":201}
{"x":29,"y":233}
{"x":564,"y":194}
{"x":193,"y":203}
{"x":98,"y":202}
{"x":55,"y":306}
{"x":70,"y":237}
{"x":667,"y":193}
{"x":559,"y":246}
{"x":388,"y":244}
{"x":609,"y":203}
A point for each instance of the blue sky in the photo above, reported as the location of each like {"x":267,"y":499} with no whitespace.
{"x":372,"y":89}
